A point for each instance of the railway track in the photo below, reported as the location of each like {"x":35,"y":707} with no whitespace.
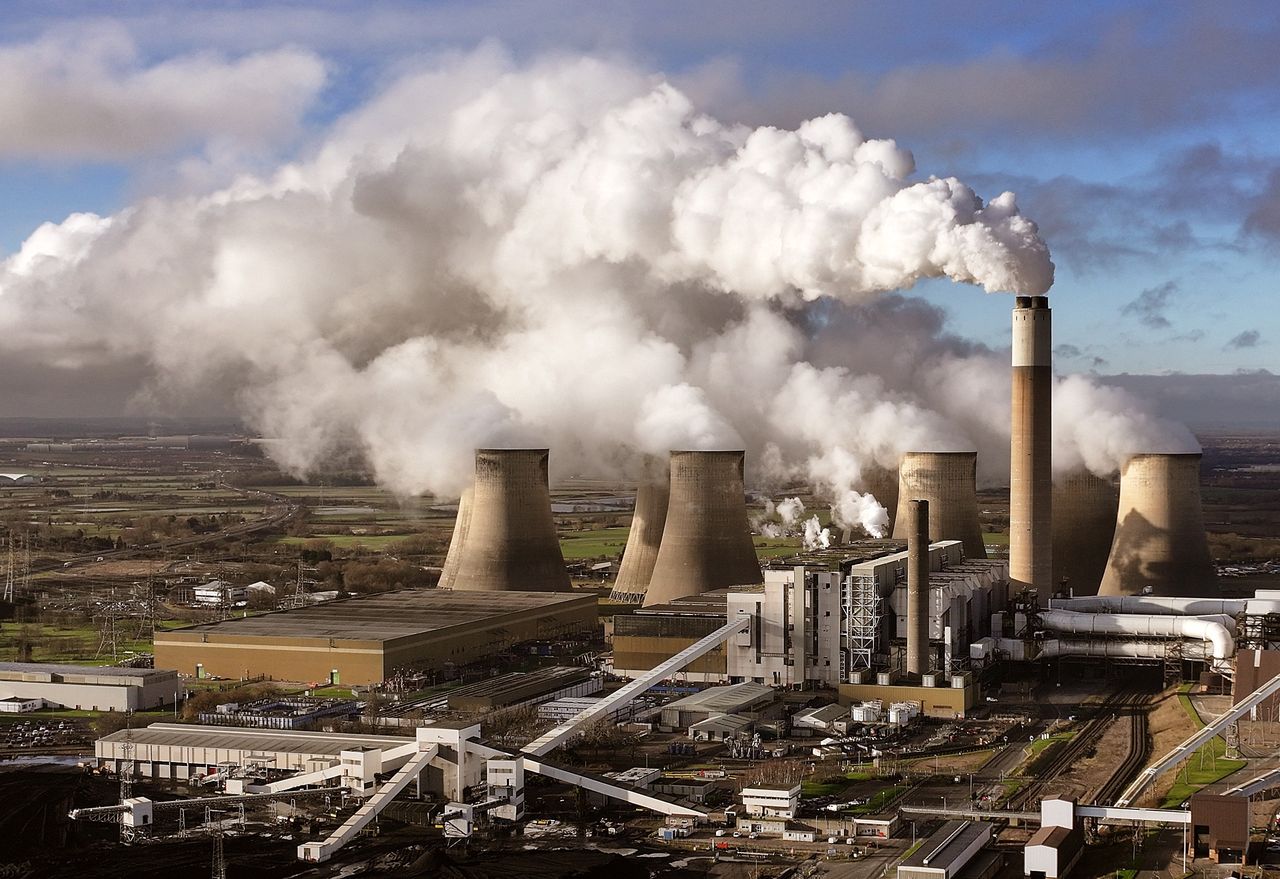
{"x":1139,"y":751}
{"x":1068,"y":754}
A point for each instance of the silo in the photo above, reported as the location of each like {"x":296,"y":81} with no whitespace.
{"x":449,"y":574}
{"x":1160,"y":546}
{"x":706,"y":541}
{"x":1030,"y":448}
{"x":917,"y":587}
{"x":948,"y":481}
{"x":509,"y":543}
{"x":643,"y":540}
{"x":1084,"y":523}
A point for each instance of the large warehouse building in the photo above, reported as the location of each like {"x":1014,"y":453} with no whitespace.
{"x":86,"y":688}
{"x":364,"y":640}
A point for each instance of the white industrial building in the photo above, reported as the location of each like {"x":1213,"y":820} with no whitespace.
{"x":219,"y":593}
{"x":771,"y":802}
{"x":89,"y":688}
{"x":952,"y":851}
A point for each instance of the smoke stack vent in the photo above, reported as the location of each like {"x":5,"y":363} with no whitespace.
{"x":1084,"y":523}
{"x":506,"y":540}
{"x":917,"y":587}
{"x":706,"y":542}
{"x":643,"y":542}
{"x":1160,"y":547}
{"x":948,"y":481}
{"x":1030,"y":449}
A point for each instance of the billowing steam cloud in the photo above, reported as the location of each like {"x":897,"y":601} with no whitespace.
{"x":489,"y":255}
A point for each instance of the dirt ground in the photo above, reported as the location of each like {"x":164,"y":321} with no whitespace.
{"x":1167,"y":726}
{"x":1089,"y":774}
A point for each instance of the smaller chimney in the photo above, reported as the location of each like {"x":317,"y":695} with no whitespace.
{"x":917,"y":587}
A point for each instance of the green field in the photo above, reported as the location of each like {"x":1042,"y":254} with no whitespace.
{"x":602,"y":543}
{"x":77,"y":645}
{"x":1202,"y":768}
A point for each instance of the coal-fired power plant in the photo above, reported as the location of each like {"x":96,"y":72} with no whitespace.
{"x":948,"y":481}
{"x":1084,"y":523}
{"x":1030,"y":449}
{"x":706,"y":540}
{"x":505,"y":539}
{"x":917,"y":587}
{"x":643,"y":542}
{"x":1160,"y":547}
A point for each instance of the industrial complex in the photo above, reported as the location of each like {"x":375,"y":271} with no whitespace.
{"x":835,"y":698}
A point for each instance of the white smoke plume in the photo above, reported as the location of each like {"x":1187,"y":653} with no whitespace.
{"x":488,"y":254}
{"x":815,"y":536}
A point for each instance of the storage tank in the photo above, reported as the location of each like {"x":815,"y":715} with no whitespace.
{"x":1084,"y":523}
{"x":948,"y":481}
{"x":643,"y":541}
{"x":706,"y":541}
{"x":508,"y":542}
{"x":1160,"y":547}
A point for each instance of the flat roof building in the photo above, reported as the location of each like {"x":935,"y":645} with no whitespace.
{"x":946,"y":854}
{"x":364,"y":640}
{"x":714,"y":702}
{"x":89,"y":688}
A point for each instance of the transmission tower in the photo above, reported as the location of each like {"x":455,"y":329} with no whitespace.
{"x":8,"y":568}
{"x":218,"y":868}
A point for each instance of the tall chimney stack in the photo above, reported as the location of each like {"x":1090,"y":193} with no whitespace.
{"x":1030,"y":450}
{"x":643,"y":541}
{"x":917,"y":587}
{"x":706,"y":541}
{"x":1160,"y":547}
{"x":506,"y":541}
{"x":948,"y":481}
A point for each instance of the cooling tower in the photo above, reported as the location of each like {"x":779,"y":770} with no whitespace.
{"x":883,"y":486}
{"x":507,"y":539}
{"x":706,"y":542}
{"x":642,"y":543}
{"x":449,"y":574}
{"x":948,"y":481}
{"x":917,"y":587}
{"x":1160,"y":539}
{"x":1030,"y":448}
{"x":1084,"y":522}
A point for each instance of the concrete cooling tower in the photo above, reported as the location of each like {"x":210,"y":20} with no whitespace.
{"x":1160,"y":546}
{"x":505,"y":541}
{"x":883,"y":486}
{"x":643,"y":542}
{"x":449,"y":574}
{"x":948,"y":481}
{"x":1084,"y":522}
{"x":706,"y":542}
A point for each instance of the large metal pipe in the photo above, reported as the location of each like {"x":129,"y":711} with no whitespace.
{"x":1153,"y":604}
{"x":948,"y":481}
{"x":706,"y":541}
{"x":1213,"y":629}
{"x":508,"y":542}
{"x":1030,"y":449}
{"x":643,"y":542}
{"x":1160,"y":546}
{"x":1084,"y":523}
{"x":917,"y":587}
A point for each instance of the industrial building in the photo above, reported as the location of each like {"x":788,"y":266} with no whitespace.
{"x":954,"y":850}
{"x":89,"y":688}
{"x":733,"y":700}
{"x":363,"y":640}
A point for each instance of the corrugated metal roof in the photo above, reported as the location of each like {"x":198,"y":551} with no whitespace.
{"x":726,"y":700}
{"x":245,"y":739}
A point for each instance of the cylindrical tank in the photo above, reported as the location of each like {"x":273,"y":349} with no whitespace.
{"x":643,"y":541}
{"x":1084,"y":523}
{"x":1160,"y":545}
{"x":917,"y":587}
{"x":948,"y":481}
{"x":449,"y":573}
{"x":1030,"y":449}
{"x":706,"y":541}
{"x":509,"y":543}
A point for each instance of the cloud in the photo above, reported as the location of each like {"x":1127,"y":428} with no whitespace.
{"x":1066,"y":351}
{"x":1263,"y":219}
{"x":1189,"y":336}
{"x":1150,"y":305}
{"x":89,"y":95}
{"x":1245,"y":339}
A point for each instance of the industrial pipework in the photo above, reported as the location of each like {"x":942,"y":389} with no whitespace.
{"x":1030,"y":449}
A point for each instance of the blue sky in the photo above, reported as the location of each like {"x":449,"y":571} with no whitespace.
{"x":1142,"y":137}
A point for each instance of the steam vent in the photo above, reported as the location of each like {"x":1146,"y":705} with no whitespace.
{"x":643,"y":541}
{"x":706,"y":542}
{"x":1160,"y":540}
{"x":505,"y":539}
{"x":1084,"y":523}
{"x":948,"y":481}
{"x":1030,"y":449}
